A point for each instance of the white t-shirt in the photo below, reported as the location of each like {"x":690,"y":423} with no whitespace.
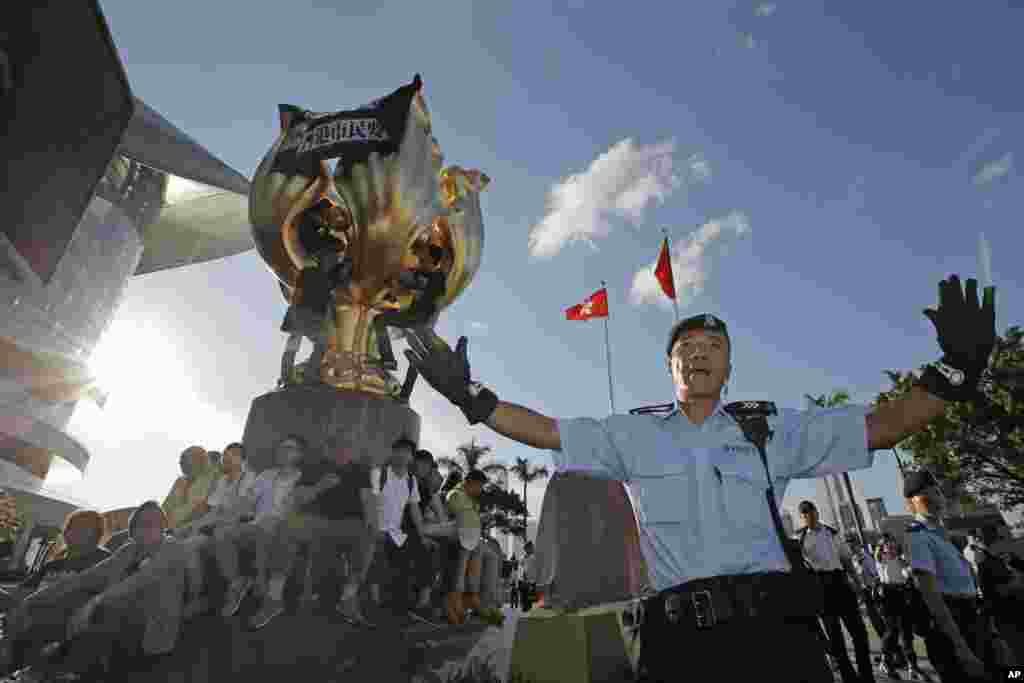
{"x":226,"y":493}
{"x":392,"y":500}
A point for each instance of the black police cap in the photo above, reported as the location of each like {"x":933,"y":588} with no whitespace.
{"x":917,"y":481}
{"x":704,"y":321}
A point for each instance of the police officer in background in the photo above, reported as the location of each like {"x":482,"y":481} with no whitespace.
{"x":958,"y":636}
{"x":725,"y":594}
{"x":894,"y":575}
{"x":830,"y":559}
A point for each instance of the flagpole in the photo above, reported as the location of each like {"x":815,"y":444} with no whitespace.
{"x":608,"y":354}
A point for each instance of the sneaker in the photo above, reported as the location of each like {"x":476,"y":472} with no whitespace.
{"x":237,"y":591}
{"x":270,"y":609}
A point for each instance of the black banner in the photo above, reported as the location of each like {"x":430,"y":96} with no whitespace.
{"x":349,"y":136}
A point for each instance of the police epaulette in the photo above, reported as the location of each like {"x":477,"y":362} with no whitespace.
{"x":832,"y":529}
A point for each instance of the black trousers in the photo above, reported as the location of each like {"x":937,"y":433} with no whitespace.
{"x":841,"y":606}
{"x":974,"y":629}
{"x":526,"y":595}
{"x":899,"y":625}
{"x":751,"y":649}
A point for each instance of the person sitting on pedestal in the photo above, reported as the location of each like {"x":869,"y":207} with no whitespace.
{"x":251,"y":527}
{"x":188,"y":498}
{"x":233,"y":486}
{"x":46,"y":624}
{"x":432,"y":282}
{"x":130,"y":604}
{"x":334,"y":512}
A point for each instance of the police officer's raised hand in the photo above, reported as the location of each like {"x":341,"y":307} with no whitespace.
{"x":967,"y":334}
{"x":448,"y":372}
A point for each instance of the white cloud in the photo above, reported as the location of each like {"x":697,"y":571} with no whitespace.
{"x":621,"y":183}
{"x":994,"y":170}
{"x":765,"y":9}
{"x":691,"y":260}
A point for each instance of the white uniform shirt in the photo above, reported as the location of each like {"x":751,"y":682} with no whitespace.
{"x":823,"y":549}
{"x":392,"y":500}
{"x":699,"y":491}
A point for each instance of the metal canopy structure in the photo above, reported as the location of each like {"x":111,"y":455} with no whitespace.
{"x":205,"y":214}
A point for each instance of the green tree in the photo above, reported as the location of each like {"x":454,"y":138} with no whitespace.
{"x":977,"y":447}
{"x":527,"y":473}
{"x":499,"y":508}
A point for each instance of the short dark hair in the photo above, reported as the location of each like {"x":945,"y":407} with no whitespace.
{"x":477,"y":475}
{"x":403,"y":442}
{"x":806,"y":506}
{"x":148,"y":505}
{"x":425,"y":456}
{"x":235,"y":444}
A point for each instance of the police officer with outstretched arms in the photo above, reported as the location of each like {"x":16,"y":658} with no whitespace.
{"x":726,"y":581}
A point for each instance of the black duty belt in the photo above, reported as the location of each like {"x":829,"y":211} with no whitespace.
{"x":705,"y":603}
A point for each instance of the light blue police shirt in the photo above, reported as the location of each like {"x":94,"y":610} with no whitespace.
{"x":931,"y":551}
{"x":699,"y":490}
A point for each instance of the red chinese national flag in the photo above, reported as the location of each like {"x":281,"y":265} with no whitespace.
{"x":596,"y":306}
{"x":663,"y":272}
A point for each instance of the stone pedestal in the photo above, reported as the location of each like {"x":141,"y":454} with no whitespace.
{"x":589,"y":646}
{"x":365,"y":423}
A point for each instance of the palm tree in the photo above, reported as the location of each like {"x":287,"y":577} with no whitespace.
{"x":468,"y":459}
{"x":527,"y":473}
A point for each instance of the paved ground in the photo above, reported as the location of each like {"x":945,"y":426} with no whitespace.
{"x":319,"y":647}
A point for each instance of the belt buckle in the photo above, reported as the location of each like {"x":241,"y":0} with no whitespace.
{"x":703,"y":609}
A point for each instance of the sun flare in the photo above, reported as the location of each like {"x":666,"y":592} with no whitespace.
{"x":137,"y":363}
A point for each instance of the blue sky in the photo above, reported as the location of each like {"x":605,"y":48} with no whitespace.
{"x":819,"y":172}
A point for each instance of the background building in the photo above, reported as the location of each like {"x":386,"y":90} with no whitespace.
{"x":788,"y":522}
{"x":162,"y":201}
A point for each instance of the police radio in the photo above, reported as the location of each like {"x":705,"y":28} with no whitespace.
{"x":752,"y":418}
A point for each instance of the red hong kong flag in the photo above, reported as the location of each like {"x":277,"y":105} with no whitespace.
{"x":663,"y":272}
{"x":596,"y":306}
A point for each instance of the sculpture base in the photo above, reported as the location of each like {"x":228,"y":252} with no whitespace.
{"x":582,"y":647}
{"x":366,"y":424}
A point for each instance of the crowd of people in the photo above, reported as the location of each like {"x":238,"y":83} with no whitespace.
{"x":891,"y":583}
{"x":378,"y":546}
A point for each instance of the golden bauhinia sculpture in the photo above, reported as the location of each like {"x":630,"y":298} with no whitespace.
{"x":384,"y":242}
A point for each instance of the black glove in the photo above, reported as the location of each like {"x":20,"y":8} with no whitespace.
{"x":448,"y":372}
{"x":967,"y":335}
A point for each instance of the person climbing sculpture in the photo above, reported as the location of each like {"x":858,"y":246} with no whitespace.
{"x":431,"y":281}
{"x":323,"y":233}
